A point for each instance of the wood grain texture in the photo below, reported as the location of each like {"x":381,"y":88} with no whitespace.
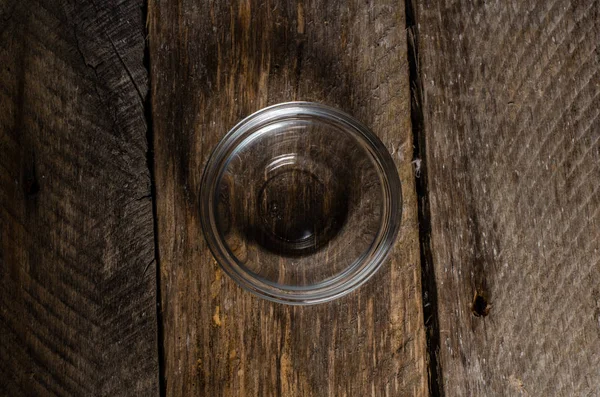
{"x":212,"y":64}
{"x":77,"y":278}
{"x":510,"y":102}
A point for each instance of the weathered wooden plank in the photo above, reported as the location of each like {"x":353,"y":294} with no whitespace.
{"x":77,"y":278}
{"x":212,"y":64}
{"x":510,"y":102}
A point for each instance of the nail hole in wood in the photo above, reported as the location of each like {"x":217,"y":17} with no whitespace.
{"x":480,"y":306}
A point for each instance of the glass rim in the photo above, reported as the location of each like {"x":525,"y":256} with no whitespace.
{"x":357,"y":272}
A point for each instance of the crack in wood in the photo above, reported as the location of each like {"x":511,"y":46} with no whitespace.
{"x":428,"y":281}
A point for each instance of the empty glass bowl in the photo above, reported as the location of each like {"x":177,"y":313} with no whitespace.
{"x":300,"y":203}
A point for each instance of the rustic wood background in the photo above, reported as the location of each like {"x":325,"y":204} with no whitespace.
{"x":212,"y":64}
{"x":512,"y":140}
{"x":109,"y":110}
{"x":77,"y":268}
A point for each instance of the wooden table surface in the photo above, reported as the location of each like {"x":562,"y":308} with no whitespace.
{"x":110,"y":109}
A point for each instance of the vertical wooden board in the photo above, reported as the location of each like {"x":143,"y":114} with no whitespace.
{"x":510,"y":101}
{"x":77,"y":278}
{"x":212,"y":64}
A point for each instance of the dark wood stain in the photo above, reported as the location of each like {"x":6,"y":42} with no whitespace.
{"x":77,"y":310}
